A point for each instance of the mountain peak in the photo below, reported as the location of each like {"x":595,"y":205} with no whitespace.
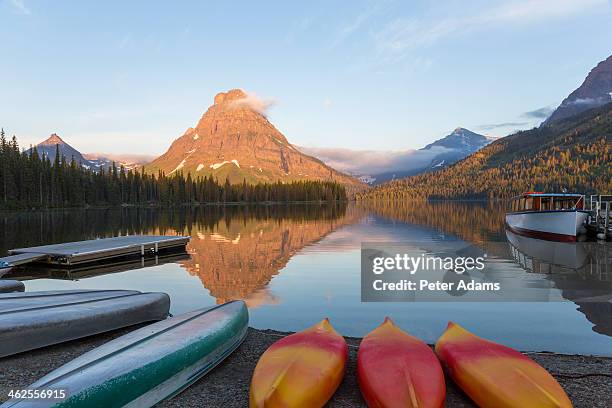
{"x":229,"y":96}
{"x":596,"y":90}
{"x":462,"y":139}
{"x":234,"y":140}
{"x":54,"y":139}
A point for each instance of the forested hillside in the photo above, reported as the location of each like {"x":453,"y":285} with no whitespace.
{"x":574,"y":155}
{"x":28,"y":180}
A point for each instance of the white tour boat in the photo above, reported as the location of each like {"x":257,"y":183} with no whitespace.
{"x":557,"y":217}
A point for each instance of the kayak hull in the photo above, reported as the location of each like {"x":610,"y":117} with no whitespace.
{"x":38,"y":319}
{"x":300,"y":370}
{"x":496,"y":376}
{"x":150,"y":364}
{"x":396,"y":370}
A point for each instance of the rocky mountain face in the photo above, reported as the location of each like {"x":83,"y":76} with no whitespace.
{"x":595,"y":91}
{"x":234,"y":140}
{"x":446,"y":151}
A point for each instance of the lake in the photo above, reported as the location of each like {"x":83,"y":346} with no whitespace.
{"x":295,"y":264}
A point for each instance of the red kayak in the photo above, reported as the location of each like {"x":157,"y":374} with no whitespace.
{"x":496,"y":376}
{"x":398,"y":370}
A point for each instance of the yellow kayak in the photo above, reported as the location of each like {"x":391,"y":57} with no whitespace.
{"x":496,"y":376}
{"x":300,"y":370}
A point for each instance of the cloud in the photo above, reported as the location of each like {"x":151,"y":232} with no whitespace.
{"x":254,"y":102}
{"x":586,"y":101}
{"x":19,"y":7}
{"x":403,"y":34}
{"x":370,"y":162}
{"x":493,"y":126}
{"x":540,"y":113}
{"x":350,"y":27}
{"x":129,"y":158}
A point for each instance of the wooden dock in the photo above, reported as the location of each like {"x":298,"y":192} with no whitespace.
{"x":89,"y":270}
{"x":95,"y":250}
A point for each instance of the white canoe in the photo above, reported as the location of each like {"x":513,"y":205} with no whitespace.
{"x":147,"y":365}
{"x":8,"y":285}
{"x":38,"y":319}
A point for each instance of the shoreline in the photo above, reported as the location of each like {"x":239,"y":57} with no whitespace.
{"x":586,"y":379}
{"x":184,"y":205}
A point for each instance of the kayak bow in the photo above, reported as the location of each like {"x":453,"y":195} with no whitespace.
{"x":398,"y":370}
{"x":496,"y":376}
{"x":300,"y":370}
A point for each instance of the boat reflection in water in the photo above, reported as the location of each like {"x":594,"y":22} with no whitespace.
{"x":582,"y":271}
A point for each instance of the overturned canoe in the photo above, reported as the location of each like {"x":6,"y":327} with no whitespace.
{"x":147,"y":365}
{"x":396,"y":370}
{"x":7,"y":286}
{"x":300,"y":370}
{"x":496,"y":376}
{"x":38,"y":319}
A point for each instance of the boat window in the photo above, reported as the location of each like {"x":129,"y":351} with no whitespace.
{"x":529,"y":204}
{"x":546,"y":204}
{"x":537,"y":201}
{"x":564,"y":203}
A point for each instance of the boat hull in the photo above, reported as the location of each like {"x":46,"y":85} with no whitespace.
{"x":38,"y":319}
{"x":396,"y":370}
{"x":300,"y":370}
{"x":150,"y":364}
{"x":562,"y":225}
{"x":496,"y":376}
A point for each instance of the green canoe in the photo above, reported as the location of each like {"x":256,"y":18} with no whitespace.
{"x":148,"y":365}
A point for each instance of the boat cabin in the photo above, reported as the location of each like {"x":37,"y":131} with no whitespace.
{"x":535,"y":201}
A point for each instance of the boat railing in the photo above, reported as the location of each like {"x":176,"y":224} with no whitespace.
{"x":601,"y":212}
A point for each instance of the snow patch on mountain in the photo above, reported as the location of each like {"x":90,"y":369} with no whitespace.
{"x":180,"y":166}
{"x":215,"y":166}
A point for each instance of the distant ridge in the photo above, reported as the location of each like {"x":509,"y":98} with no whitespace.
{"x":457,"y":145}
{"x":49,"y":147}
{"x":595,"y":91}
{"x":572,"y":154}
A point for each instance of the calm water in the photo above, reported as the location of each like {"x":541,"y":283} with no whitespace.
{"x":294,"y":265}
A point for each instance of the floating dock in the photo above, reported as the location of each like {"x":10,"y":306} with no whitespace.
{"x":89,"y":270}
{"x":600,"y":219}
{"x":95,"y":250}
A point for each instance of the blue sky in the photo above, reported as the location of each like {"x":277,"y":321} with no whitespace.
{"x":130,"y":77}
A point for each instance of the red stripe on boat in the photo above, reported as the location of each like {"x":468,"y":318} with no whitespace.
{"x":549,"y":236}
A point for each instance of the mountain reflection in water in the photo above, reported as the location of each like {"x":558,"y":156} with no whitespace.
{"x":238,"y":258}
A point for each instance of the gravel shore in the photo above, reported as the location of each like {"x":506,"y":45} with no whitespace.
{"x":587,"y":380}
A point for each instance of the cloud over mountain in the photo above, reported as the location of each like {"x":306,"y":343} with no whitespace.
{"x":373,"y":161}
